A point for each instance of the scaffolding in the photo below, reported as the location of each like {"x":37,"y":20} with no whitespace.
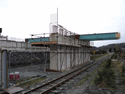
{"x":67,"y":45}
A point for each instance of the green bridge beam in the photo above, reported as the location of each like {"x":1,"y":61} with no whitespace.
{"x":100,"y":36}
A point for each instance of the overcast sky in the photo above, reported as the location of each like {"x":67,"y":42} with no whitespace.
{"x":20,"y":18}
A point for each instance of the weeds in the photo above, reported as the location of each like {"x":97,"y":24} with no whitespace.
{"x":123,"y":70}
{"x":114,"y":56}
{"x":106,"y":76}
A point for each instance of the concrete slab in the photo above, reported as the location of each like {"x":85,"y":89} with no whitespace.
{"x":13,"y":90}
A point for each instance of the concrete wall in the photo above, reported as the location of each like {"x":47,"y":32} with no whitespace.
{"x":66,"y":57}
{"x":13,"y":45}
{"x":66,"y":40}
{"x":54,"y":57}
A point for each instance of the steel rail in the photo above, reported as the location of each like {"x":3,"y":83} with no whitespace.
{"x":64,"y":80}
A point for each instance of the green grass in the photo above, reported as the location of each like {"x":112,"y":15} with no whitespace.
{"x":83,"y":80}
{"x":114,"y":56}
{"x":98,"y":69}
{"x":29,"y":83}
{"x":21,"y":80}
{"x":87,"y":76}
{"x":97,"y":56}
{"x":33,"y":82}
{"x":101,"y":56}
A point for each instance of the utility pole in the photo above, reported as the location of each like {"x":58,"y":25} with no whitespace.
{"x":57,"y":38}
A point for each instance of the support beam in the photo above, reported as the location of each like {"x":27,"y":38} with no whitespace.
{"x":100,"y":36}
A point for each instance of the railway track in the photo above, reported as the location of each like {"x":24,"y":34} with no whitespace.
{"x":45,"y":88}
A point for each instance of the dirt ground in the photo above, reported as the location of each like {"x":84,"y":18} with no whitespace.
{"x":85,"y":88}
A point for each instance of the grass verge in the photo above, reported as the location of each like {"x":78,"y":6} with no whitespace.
{"x":29,"y":83}
{"x":90,"y":74}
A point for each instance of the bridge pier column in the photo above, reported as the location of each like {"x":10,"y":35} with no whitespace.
{"x":3,"y":69}
{"x":54,"y":63}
